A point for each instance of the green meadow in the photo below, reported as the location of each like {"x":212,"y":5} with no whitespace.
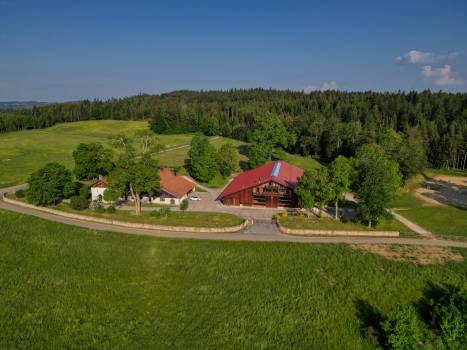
{"x":65,"y":287}
{"x":23,"y":152}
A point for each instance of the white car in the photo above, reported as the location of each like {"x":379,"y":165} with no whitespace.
{"x":195,"y":198}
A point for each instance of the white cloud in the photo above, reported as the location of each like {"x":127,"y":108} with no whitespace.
{"x":442,"y":76}
{"x":420,"y":57}
{"x":331,"y":85}
{"x":414,"y":56}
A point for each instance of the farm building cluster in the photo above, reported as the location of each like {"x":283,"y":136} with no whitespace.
{"x":271,"y":185}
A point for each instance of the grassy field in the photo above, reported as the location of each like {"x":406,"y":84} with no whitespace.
{"x":23,"y":152}
{"x":67,"y":287}
{"x":177,"y":218}
{"x":443,"y":221}
{"x":306,"y":163}
{"x":177,"y":157}
{"x":314,"y":223}
{"x":440,"y":220}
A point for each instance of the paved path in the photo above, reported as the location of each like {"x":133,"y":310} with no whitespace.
{"x":412,"y":225}
{"x":254,"y":233}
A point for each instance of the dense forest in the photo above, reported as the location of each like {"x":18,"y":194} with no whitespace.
{"x":322,"y":124}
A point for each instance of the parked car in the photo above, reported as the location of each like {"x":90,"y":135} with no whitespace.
{"x":195,"y":198}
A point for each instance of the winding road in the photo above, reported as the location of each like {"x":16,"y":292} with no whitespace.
{"x":262,"y":231}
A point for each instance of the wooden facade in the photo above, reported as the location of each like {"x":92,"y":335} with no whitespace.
{"x":270,"y":194}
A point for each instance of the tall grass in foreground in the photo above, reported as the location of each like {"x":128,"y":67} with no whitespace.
{"x":67,"y":287}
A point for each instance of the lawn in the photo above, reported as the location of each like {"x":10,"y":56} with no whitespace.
{"x":306,"y":163}
{"x":176,"y":218}
{"x":217,"y":181}
{"x":68,"y":287}
{"x":440,"y":220}
{"x":315,"y":223}
{"x":178,"y":156}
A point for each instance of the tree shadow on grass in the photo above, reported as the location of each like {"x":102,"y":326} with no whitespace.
{"x":371,"y":319}
{"x":442,"y":295}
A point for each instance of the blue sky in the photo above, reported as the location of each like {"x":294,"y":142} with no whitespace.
{"x":69,"y":50}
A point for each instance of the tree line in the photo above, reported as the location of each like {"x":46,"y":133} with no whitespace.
{"x":322,"y":124}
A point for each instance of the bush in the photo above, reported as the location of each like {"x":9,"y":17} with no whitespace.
{"x":20,"y":194}
{"x":184,"y":204}
{"x":79,"y":203}
{"x":111,"y":210}
{"x":162,"y":212}
{"x":448,"y":316}
{"x":85,"y":191}
{"x":280,"y":215}
{"x":96,"y":206}
{"x":110,"y":195}
{"x":402,"y":329}
{"x":165,"y":211}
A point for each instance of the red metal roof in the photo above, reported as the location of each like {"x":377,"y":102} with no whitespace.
{"x":281,"y":172}
{"x":173,"y":184}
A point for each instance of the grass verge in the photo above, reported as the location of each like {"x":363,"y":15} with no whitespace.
{"x":315,"y":223}
{"x":176,"y":218}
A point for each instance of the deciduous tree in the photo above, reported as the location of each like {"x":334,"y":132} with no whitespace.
{"x":314,"y":186}
{"x":46,"y":185}
{"x":203,"y":159}
{"x":340,"y":176}
{"x":135,"y":171}
{"x":228,"y":156}
{"x":269,"y":133}
{"x":377,"y":182}
{"x":92,"y":160}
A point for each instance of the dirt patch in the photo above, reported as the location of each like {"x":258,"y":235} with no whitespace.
{"x":444,"y":190}
{"x":427,"y":196}
{"x":455,"y":180}
{"x":423,"y":255}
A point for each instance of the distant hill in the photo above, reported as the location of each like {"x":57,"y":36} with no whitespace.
{"x":17,"y":105}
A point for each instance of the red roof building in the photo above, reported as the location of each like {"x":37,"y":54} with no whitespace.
{"x":270,"y":185}
{"x":174,"y":185}
{"x":173,"y":188}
